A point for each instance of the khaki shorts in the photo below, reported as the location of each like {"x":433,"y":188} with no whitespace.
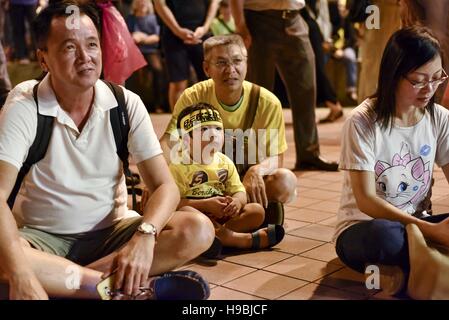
{"x":83,"y":248}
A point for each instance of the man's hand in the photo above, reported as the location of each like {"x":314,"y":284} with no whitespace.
{"x":233,"y":208}
{"x":245,"y":34}
{"x":26,"y":287}
{"x":133,"y":263}
{"x":255,"y":187}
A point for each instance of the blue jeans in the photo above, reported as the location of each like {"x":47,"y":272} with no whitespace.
{"x":377,"y":241}
{"x":350,"y":61}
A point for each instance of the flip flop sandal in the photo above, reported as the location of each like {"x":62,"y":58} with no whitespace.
{"x":275,"y":235}
{"x":214,"y":250}
{"x":174,"y":285}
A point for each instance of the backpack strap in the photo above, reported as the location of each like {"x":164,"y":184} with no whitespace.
{"x":120,"y":127}
{"x":252,"y":107}
{"x":38,"y":148}
{"x":248,"y":123}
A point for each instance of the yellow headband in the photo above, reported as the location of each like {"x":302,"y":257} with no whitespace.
{"x":199,"y":118}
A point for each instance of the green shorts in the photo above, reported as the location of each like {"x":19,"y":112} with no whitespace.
{"x":83,"y":248}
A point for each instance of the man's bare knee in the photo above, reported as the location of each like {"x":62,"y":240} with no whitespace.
{"x":281,"y":186}
{"x":194,"y":234}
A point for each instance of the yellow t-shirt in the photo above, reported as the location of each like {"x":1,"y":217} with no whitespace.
{"x":269,"y":113}
{"x":220,"y":178}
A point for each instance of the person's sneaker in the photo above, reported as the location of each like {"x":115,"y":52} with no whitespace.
{"x":392,"y":279}
{"x":174,"y":285}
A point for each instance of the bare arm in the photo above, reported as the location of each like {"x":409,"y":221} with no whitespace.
{"x":240,"y":197}
{"x":144,"y":38}
{"x":253,"y":179}
{"x":212,"y":206}
{"x":164,"y":193}
{"x":13,"y":263}
{"x":211,"y":13}
{"x":240,"y":23}
{"x":364,"y":189}
{"x":167,"y":146}
{"x":134,"y":260}
{"x":169,"y":19}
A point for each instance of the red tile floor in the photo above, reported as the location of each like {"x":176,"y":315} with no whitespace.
{"x":304,"y":265}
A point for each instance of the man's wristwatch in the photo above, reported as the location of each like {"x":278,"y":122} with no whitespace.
{"x":147,"y":228}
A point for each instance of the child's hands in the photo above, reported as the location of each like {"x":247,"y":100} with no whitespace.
{"x":233,"y":207}
{"x":215,"y":206}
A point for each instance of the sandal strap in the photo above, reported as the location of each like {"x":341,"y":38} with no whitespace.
{"x":256,"y":240}
{"x":271,"y":232}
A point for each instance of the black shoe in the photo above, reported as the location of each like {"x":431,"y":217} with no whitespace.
{"x":214,"y":250}
{"x":317,"y":163}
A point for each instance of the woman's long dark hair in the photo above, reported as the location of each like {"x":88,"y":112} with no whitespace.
{"x":407,"y":50}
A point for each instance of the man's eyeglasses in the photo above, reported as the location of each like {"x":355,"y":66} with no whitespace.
{"x":222,"y":63}
{"x":434,"y":83}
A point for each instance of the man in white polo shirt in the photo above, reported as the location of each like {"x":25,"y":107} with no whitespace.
{"x":71,"y":210}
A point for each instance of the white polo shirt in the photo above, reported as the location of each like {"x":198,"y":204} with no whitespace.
{"x":79,"y":185}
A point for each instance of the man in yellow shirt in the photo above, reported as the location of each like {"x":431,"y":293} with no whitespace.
{"x":225,"y":63}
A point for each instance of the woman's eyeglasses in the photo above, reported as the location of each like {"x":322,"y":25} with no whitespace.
{"x":434,"y":83}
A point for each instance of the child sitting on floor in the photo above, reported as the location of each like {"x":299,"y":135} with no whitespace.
{"x":209,"y":182}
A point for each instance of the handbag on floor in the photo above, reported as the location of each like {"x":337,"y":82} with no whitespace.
{"x":429,"y":267}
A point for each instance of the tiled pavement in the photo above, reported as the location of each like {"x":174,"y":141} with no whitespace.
{"x":304,"y":265}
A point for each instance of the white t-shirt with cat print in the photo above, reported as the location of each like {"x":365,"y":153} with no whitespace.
{"x":401,"y":158}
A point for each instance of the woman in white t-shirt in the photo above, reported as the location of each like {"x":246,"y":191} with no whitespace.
{"x":390,"y":144}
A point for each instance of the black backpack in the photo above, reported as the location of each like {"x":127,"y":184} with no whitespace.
{"x":120,"y":126}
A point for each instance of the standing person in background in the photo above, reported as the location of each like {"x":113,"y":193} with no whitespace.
{"x":373,"y":44}
{"x":325,"y":92}
{"x":224,"y":22}
{"x":186,"y":25}
{"x":345,"y":44}
{"x":21,"y":11}
{"x":277,"y":38}
{"x":143,"y":25}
